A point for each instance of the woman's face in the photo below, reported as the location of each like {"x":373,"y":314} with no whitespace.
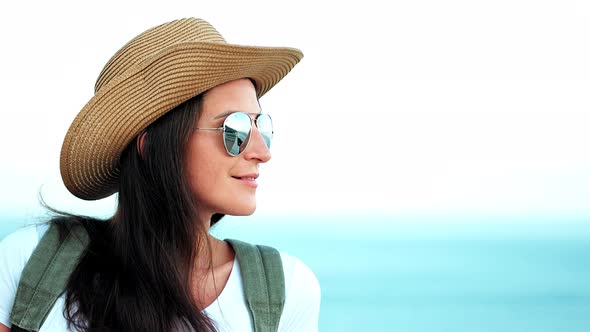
{"x":222,"y":183}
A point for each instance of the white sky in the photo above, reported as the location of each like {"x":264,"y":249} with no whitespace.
{"x":424,"y":107}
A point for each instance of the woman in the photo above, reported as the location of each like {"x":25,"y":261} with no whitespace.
{"x":175,"y":128}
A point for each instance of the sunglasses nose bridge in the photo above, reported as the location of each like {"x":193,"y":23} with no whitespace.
{"x":253,"y":121}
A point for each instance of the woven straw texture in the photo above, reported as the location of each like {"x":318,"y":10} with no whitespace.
{"x":153,"y":73}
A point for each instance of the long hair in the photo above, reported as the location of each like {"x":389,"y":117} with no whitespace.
{"x":135,"y":274}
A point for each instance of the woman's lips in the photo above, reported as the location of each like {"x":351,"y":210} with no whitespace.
{"x":248,"y":179}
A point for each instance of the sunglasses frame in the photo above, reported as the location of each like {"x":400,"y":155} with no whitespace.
{"x":253,"y":123}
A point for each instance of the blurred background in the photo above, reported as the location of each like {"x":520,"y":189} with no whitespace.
{"x":430,"y":161}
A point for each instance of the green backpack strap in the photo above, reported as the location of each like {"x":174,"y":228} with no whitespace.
{"x":264,"y":283}
{"x":44,"y":278}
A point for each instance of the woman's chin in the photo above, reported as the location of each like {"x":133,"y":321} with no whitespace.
{"x":245,"y":210}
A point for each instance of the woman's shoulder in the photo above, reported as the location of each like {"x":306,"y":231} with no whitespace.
{"x":297,"y":272}
{"x":15,"y":250}
{"x":302,"y":296}
{"x":20,"y":244}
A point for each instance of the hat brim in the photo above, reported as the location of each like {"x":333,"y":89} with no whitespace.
{"x":120,"y":110}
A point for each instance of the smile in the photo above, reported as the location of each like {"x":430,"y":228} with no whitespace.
{"x":249,"y":180}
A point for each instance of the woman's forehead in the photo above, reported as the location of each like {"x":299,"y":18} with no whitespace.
{"x":233,"y":96}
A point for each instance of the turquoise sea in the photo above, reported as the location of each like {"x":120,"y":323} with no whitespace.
{"x":388,"y":273}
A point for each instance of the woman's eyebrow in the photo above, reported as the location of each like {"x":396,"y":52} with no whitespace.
{"x":224,"y":114}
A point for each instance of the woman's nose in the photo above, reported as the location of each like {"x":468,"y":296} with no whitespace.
{"x":257,"y":148}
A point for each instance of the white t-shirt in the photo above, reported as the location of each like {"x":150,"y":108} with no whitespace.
{"x":229,"y":311}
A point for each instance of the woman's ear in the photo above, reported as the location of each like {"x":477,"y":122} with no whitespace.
{"x":140,"y":140}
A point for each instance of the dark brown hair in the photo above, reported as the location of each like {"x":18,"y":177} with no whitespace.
{"x":135,"y":274}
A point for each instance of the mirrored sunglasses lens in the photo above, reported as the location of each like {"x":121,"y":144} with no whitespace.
{"x":264,"y":124}
{"x":236,"y":133}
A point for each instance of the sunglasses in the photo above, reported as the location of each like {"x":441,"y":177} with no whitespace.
{"x":237,"y":129}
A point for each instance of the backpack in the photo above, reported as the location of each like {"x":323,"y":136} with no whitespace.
{"x":45,"y":276}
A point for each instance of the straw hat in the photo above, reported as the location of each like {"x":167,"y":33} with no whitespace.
{"x":153,"y":73}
